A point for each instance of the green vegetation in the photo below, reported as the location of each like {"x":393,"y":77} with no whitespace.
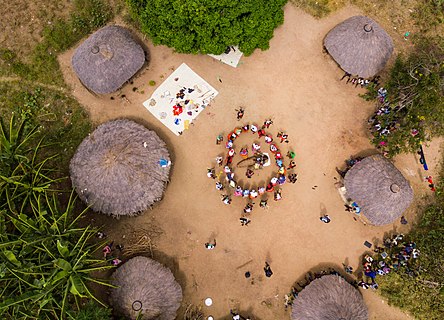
{"x":209,"y":26}
{"x":422,"y":295}
{"x":46,"y":258}
{"x":416,"y":98}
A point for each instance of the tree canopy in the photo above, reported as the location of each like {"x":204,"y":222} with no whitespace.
{"x":209,"y":26}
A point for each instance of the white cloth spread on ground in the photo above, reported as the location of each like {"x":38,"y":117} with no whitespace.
{"x":180,"y":99}
{"x":232,"y":58}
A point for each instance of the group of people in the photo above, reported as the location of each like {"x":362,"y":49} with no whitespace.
{"x":258,"y":161}
{"x":356,"y":80}
{"x":108,"y":251}
{"x":387,"y":119}
{"x":394,"y":255}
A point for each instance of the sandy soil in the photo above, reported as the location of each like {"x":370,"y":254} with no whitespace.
{"x":298,"y":86}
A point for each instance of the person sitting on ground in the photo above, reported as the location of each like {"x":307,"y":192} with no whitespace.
{"x":219,"y":186}
{"x":219,"y":160}
{"x":210,"y":173}
{"x":267,"y":123}
{"x":219,"y":139}
{"x":253,"y":194}
{"x":255,"y":147}
{"x":283,"y":136}
{"x":253,"y":128}
{"x":277,"y":195}
{"x":226,"y":199}
{"x":261,"y":133}
{"x":246,"y":193}
{"x":238,"y":191}
{"x":292,"y":165}
{"x":245,"y":128}
{"x":274,"y":181}
{"x":264,"y":204}
{"x":248,"y":208}
{"x":261,"y":190}
{"x":270,"y":187}
{"x":249,"y":173}
{"x":268,"y":138}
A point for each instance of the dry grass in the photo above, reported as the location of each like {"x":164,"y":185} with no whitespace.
{"x":193,"y":312}
{"x":141,"y":240}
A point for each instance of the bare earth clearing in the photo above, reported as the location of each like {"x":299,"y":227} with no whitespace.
{"x":297,"y":85}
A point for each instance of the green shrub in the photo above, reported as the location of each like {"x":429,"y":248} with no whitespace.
{"x":209,"y":26}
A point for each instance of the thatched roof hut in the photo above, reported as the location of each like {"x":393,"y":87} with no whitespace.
{"x":329,"y":298}
{"x":360,"y":46}
{"x":145,"y":286}
{"x":379,"y":189}
{"x":116,"y":169}
{"x":107,"y":59}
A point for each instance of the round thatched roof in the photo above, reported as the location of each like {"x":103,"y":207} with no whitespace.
{"x":146,"y":286}
{"x":116,"y":168}
{"x":107,"y":59}
{"x":360,"y":46}
{"x":329,"y":298}
{"x":379,"y":188}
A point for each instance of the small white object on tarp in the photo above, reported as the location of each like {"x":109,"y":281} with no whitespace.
{"x":208,"y":302}
{"x":180,"y":99}
{"x":231,"y":58}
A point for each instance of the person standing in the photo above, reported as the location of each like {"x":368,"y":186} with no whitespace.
{"x":325,"y":218}
{"x":267,"y":270}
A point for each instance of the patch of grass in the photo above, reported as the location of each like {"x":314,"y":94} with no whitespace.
{"x":61,"y":118}
{"x":318,"y":8}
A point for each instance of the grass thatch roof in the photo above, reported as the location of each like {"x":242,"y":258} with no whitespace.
{"x":379,"y":188}
{"x":146,"y":286}
{"x":360,"y":46}
{"x":329,"y":298}
{"x":107,"y":59}
{"x":116,"y":168}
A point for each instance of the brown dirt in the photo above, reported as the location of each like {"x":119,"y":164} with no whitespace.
{"x":297,"y":85}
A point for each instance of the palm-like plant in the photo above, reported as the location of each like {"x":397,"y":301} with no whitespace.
{"x":47,"y":261}
{"x":23,"y":173}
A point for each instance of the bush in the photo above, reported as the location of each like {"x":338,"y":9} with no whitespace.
{"x":209,"y":26}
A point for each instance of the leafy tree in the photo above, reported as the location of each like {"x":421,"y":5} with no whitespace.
{"x":416,"y":99}
{"x":209,"y":26}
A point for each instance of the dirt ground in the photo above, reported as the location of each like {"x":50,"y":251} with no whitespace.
{"x":298,"y":86}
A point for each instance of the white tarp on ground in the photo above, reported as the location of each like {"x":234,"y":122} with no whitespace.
{"x":232,"y":58}
{"x":180,"y":99}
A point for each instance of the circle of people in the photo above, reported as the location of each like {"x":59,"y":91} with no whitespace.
{"x":260,"y":159}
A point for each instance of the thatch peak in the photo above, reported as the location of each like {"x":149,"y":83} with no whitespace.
{"x":379,"y":188}
{"x":329,"y":298}
{"x":360,"y":46}
{"x":145,"y":286}
{"x":118,"y":168}
{"x":107,"y":59}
